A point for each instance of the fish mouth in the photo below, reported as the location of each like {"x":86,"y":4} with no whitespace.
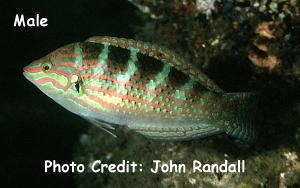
{"x":28,"y":77}
{"x":46,"y":91}
{"x":28,"y":74}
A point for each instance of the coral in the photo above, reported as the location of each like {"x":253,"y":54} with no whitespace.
{"x":266,"y":29}
{"x":205,"y":6}
{"x":269,"y":62}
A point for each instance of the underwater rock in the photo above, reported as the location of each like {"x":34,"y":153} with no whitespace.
{"x":290,"y":178}
{"x":263,"y":168}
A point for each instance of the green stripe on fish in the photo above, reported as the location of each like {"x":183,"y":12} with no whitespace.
{"x":130,"y":69}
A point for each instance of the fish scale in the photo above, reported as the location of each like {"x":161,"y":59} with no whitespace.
{"x":143,"y":86}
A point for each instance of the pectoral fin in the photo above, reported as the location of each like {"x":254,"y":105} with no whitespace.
{"x":103,"y":125}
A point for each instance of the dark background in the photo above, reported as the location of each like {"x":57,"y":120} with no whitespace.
{"x":33,"y":127}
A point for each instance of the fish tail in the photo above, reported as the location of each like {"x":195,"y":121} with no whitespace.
{"x":241,"y":107}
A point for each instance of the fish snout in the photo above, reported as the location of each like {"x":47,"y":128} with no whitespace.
{"x":30,"y":69}
{"x":26,"y":69}
{"x":26,"y":72}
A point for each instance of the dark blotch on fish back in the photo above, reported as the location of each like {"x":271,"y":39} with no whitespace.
{"x":177,"y":78}
{"x":198,"y":89}
{"x":148,"y":67}
{"x":91,"y":50}
{"x":118,"y":59}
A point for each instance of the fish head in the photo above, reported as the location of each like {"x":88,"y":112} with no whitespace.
{"x":56,"y":75}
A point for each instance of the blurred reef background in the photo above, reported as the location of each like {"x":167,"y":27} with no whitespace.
{"x":243,"y":46}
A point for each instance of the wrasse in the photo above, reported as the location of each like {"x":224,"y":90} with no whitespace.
{"x":149,"y":89}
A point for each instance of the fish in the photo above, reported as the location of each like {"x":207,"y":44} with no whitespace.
{"x":148,"y":88}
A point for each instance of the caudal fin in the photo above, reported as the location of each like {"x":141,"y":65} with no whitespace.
{"x":242,"y":107}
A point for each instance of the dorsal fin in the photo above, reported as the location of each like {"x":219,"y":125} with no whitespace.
{"x":162,"y":54}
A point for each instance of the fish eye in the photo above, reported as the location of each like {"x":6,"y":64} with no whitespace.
{"x":46,"y":66}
